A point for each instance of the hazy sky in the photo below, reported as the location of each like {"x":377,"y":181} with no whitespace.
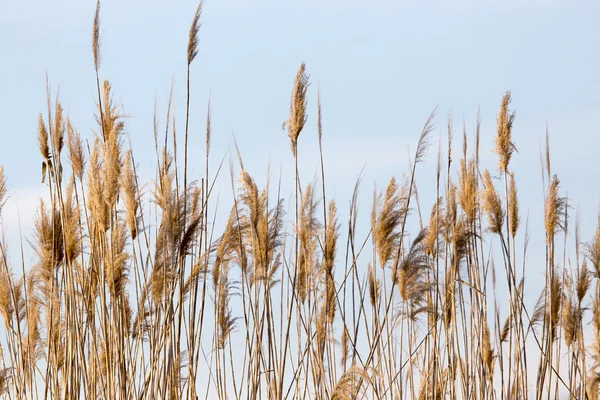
{"x":382,"y":67}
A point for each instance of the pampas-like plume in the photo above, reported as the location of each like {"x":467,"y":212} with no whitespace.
{"x":7,"y":306}
{"x":113,"y":128}
{"x":386,"y":217}
{"x":58,"y":133}
{"x":115,"y":261}
{"x":583,"y":282}
{"x":43,"y":138}
{"x":192,"y":49}
{"x":225,"y":319}
{"x":332,"y":234}
{"x":571,"y":319}
{"x":195,"y":201}
{"x":556,"y":302}
{"x":504,"y":146}
{"x":596,"y":326}
{"x":96,"y":37}
{"x":487,"y":354}
{"x":411,"y":275}
{"x":99,"y":211}
{"x":505,"y":329}
{"x":593,"y":250}
{"x":3,"y":190}
{"x":43,"y":146}
{"x":513,"y":207}
{"x":71,"y":226}
{"x":467,"y":190}
{"x":344,"y":348}
{"x":297,"y":117}
{"x":131,"y":196}
{"x":75,"y":151}
{"x":425,"y":138}
{"x":434,"y":229}
{"x":451,"y":211}
{"x":373,"y":284}
{"x":554,"y":209}
{"x":48,"y":241}
{"x":226,"y":244}
{"x":307,"y":233}
{"x":33,"y":351}
{"x":262,"y":229}
{"x":347,"y":386}
{"x":593,"y":381}
{"x":492,"y":205}
{"x":5,"y":377}
{"x":426,"y":391}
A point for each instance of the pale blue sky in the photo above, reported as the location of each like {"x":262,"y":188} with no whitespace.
{"x":382,"y":67}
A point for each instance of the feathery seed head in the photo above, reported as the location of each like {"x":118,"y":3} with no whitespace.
{"x":593,"y":250}
{"x":467,"y":190}
{"x":96,"y":37}
{"x":131,"y":197}
{"x":43,"y":138}
{"x":583,"y":282}
{"x":434,"y":228}
{"x":298,"y":116}
{"x":3,"y":190}
{"x":504,"y":146}
{"x":192,"y":49}
{"x":58,"y":132}
{"x":513,"y":207}
{"x":492,"y":205}
{"x":347,"y":387}
{"x":373,"y":283}
{"x":554,"y":208}
{"x":386,"y":217}
{"x":75,"y":151}
{"x":451,"y":210}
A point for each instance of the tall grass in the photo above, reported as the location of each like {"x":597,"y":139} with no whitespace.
{"x":127,"y":300}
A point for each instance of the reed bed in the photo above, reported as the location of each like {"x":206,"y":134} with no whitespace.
{"x":136,"y":292}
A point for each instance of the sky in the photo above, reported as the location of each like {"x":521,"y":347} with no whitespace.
{"x":382,"y":67}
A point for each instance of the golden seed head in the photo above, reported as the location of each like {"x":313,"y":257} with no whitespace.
{"x":504,"y":146}
{"x":492,"y":205}
{"x":298,"y":117}
{"x":513,"y":207}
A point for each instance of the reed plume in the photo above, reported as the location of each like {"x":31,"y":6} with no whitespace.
{"x":593,"y":250}
{"x":348,"y":386}
{"x":192,"y":48}
{"x":492,"y":205}
{"x":307,"y":233}
{"x":554,"y":208}
{"x":3,"y":189}
{"x":76,"y":155}
{"x":387,"y":214}
{"x":96,"y":37}
{"x":504,"y":145}
{"x":131,"y":196}
{"x":297,"y":117}
{"x":468,"y":189}
{"x":513,"y":207}
{"x":411,"y":275}
{"x":331,"y":235}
